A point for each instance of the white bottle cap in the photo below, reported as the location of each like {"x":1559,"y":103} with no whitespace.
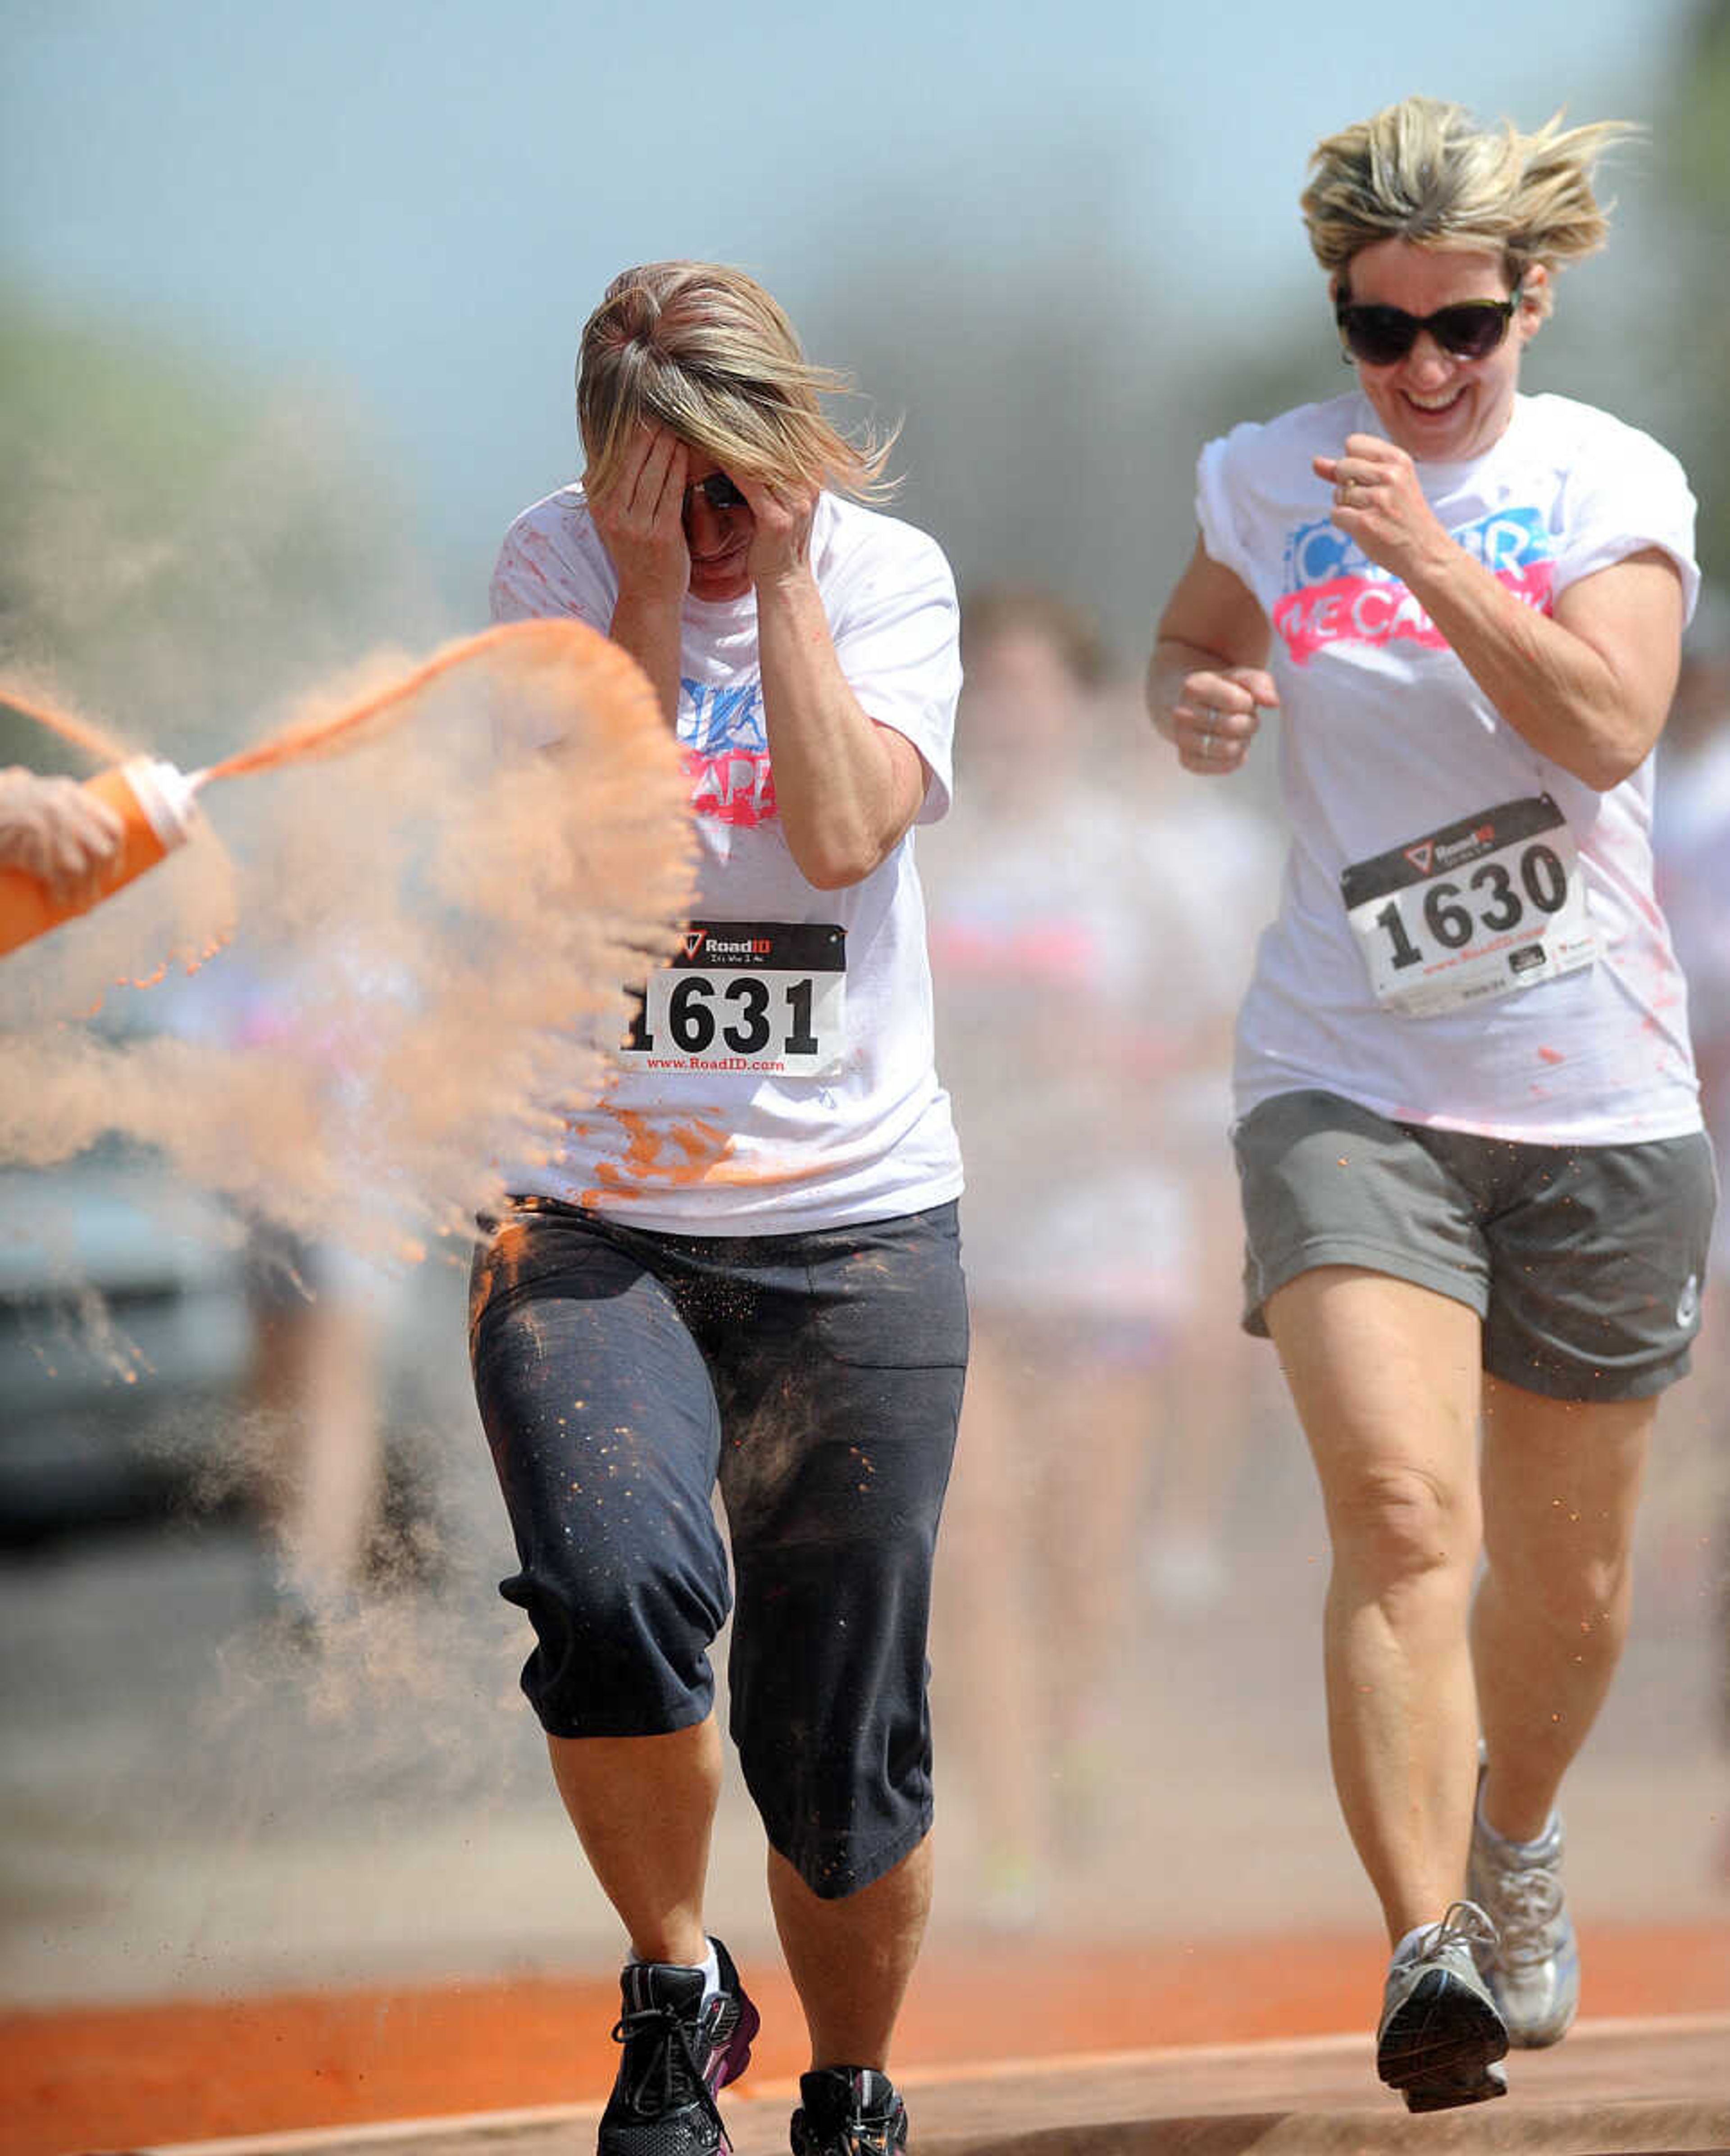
{"x":167,"y":797}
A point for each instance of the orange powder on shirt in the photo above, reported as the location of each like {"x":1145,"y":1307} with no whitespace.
{"x":681,"y":1154}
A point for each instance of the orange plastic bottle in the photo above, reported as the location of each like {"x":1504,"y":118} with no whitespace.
{"x":155,"y":803}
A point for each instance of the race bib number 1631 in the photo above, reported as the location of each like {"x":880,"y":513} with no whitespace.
{"x":748,"y":995}
{"x":1482,"y":907}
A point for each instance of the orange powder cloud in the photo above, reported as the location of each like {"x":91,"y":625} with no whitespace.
{"x":442,"y":886}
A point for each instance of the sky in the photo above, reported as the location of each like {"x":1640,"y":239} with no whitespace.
{"x":408,"y":206}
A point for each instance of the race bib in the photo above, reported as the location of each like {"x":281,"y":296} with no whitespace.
{"x":748,"y":995}
{"x":1493,"y":903}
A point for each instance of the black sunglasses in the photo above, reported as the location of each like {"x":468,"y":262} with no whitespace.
{"x":1380,"y":336}
{"x":718,"y":490}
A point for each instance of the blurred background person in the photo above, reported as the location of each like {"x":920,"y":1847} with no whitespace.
{"x":317,"y":1439}
{"x":314,"y":1459}
{"x":1691,"y":842}
{"x":310,"y":1461}
{"x":1084,"y":980}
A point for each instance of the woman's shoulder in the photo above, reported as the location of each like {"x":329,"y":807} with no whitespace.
{"x":1272,"y":457}
{"x":1564,"y":430}
{"x":1296,"y":432}
{"x":551,"y":559}
{"x":850,"y":540}
{"x":1253,"y":483}
{"x":561,"y":515}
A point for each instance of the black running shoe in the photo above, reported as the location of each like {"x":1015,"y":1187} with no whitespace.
{"x":678,"y":2052}
{"x":848,"y":2111}
{"x":1440,"y":2036}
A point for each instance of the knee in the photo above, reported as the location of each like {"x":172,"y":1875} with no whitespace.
{"x":1398,"y":1524}
{"x":616,"y":1653}
{"x":586,"y":1596}
{"x":1587,"y":1593}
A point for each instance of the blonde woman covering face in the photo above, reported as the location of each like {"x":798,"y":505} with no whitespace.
{"x":1477,"y":1190}
{"x":740,"y":1268}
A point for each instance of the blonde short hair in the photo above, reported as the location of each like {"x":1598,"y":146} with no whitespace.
{"x":704,"y":351}
{"x":1426,"y":171}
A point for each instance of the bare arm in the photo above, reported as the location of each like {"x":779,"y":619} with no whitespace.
{"x":847,"y":789}
{"x":1588,"y":687}
{"x":641,"y":522}
{"x":1207,"y":680}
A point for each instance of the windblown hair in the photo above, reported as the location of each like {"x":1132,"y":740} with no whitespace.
{"x":703,"y":349}
{"x":1426,"y":171}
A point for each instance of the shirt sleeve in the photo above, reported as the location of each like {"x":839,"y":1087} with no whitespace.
{"x":897,"y":637}
{"x":1219,"y":510}
{"x":1625,"y":495}
{"x":542,"y":569}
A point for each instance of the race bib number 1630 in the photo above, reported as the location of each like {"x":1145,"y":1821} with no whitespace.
{"x":1493,"y":903}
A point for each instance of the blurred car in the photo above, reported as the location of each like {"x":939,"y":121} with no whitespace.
{"x":125,"y":1336}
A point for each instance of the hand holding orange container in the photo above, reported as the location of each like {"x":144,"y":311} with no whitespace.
{"x":156,"y":804}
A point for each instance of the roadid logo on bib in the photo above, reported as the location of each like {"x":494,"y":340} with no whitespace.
{"x":1493,"y":903}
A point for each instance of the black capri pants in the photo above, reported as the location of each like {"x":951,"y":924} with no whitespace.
{"x":621,"y":1374}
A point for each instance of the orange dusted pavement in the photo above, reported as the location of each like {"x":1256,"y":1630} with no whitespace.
{"x":1593,"y":2096}
{"x":238,"y":2072}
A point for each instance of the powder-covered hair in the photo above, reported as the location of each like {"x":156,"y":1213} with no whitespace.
{"x":1426,"y":171}
{"x":703,"y":349}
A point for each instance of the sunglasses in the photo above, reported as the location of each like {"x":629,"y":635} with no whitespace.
{"x":718,"y":491}
{"x":1380,"y":336}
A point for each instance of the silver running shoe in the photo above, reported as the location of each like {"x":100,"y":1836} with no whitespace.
{"x":1440,"y":2034}
{"x":1534,"y":1970}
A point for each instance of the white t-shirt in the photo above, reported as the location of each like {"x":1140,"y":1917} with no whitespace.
{"x":787,"y":1082}
{"x":1436,"y":861}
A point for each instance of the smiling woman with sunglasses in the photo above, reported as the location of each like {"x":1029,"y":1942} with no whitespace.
{"x":1477,"y":1190}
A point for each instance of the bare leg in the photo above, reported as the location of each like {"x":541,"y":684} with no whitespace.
{"x":333,"y":1480}
{"x":1385,"y":1378}
{"x":653,"y":1874}
{"x":1199,"y":1458}
{"x":1561,"y":1483}
{"x":851,"y":1959}
{"x":1087,"y":1537}
{"x":989,"y":1667}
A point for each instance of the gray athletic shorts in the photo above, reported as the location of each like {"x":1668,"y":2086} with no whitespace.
{"x":1585,"y":1262}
